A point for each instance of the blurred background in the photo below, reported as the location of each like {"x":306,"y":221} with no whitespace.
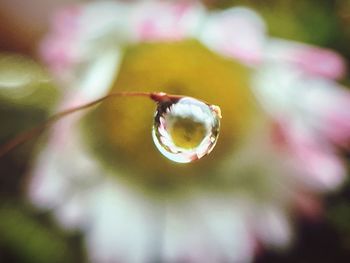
{"x":28,"y":235}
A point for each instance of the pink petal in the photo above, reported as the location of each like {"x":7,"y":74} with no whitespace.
{"x":312,"y":60}
{"x":165,"y":20}
{"x":57,"y":49}
{"x":327,"y":105}
{"x":337,"y":121}
{"x":57,"y":54}
{"x":316,"y":163}
{"x":318,"y":61}
{"x":65,"y":21}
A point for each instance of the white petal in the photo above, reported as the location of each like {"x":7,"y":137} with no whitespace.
{"x":237,"y":32}
{"x":208,"y":229}
{"x":72,"y":213}
{"x":285,"y":92}
{"x":47,"y":187}
{"x":99,"y":75}
{"x":318,"y":103}
{"x":317,"y":163}
{"x":272,"y":226}
{"x":62,"y":167}
{"x":122,"y":227}
{"x":82,"y":37}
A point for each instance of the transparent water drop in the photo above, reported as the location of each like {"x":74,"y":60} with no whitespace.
{"x":185,"y":129}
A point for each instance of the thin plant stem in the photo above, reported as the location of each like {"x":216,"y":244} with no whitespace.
{"x":31,"y":133}
{"x":35,"y":131}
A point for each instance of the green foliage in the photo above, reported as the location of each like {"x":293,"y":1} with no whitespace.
{"x":31,"y":241}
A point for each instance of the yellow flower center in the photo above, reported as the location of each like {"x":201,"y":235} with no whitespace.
{"x":187,"y":133}
{"x":121,"y":128}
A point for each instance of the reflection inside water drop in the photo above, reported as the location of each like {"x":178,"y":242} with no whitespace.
{"x":185,"y":129}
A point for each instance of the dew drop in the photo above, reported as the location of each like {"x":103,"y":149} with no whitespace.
{"x":185,"y":129}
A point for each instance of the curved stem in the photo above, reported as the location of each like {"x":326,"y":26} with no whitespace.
{"x":29,"y":134}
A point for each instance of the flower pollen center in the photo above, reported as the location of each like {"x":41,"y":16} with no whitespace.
{"x":187,"y":133}
{"x":161,"y":146}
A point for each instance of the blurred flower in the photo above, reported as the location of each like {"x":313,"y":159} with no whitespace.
{"x":283,"y":121}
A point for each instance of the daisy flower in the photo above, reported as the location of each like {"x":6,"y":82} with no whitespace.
{"x":284,"y":119}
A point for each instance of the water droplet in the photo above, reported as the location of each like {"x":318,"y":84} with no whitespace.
{"x":185,"y":129}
